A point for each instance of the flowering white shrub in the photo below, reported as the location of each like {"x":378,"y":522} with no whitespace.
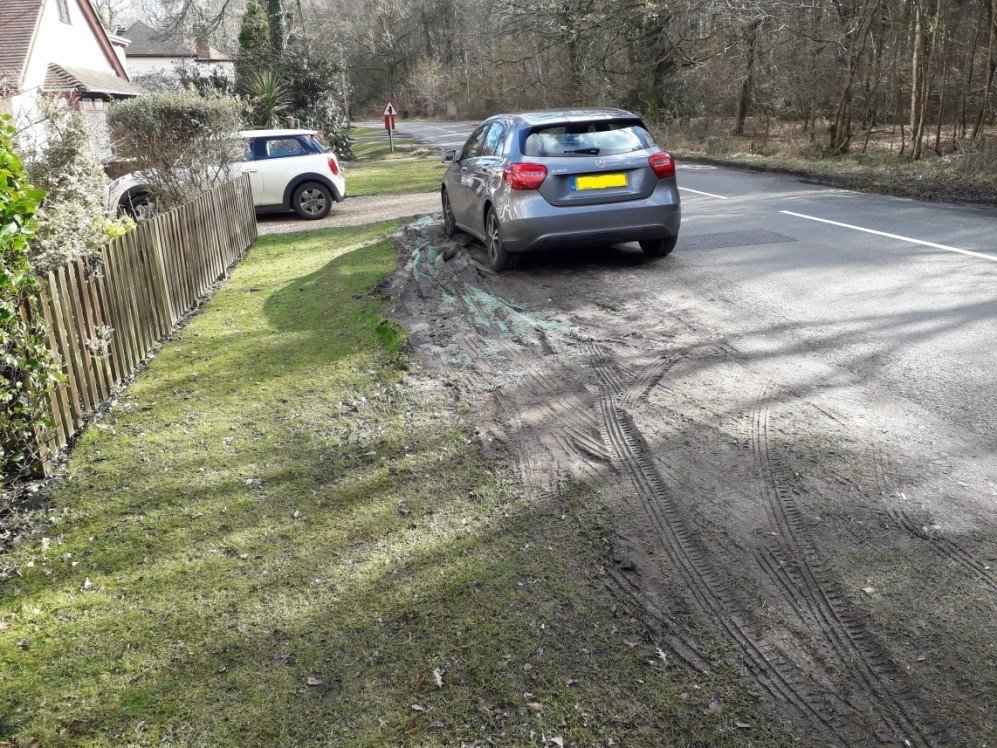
{"x":72,"y":222}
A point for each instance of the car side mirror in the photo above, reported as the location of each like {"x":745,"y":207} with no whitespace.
{"x":449,"y":156}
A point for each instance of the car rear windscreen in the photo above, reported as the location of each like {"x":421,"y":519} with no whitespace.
{"x":587,"y":139}
{"x":317,"y":145}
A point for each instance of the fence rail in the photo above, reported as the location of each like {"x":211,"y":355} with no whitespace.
{"x":103,"y":323}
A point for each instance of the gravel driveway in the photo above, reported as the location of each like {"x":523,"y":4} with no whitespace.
{"x":354,"y":211}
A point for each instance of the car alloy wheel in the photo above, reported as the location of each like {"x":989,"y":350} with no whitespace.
{"x":449,"y":225}
{"x":494,"y":238}
{"x":498,"y":256}
{"x":312,"y":201}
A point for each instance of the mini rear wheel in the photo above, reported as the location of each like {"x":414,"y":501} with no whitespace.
{"x":659,"y":247}
{"x":499,"y":258}
{"x":312,"y":201}
{"x":139,"y":206}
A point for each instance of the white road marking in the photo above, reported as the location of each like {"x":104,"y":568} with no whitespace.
{"x":700,"y":192}
{"x":982,"y":255}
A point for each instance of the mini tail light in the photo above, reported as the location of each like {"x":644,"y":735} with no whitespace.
{"x":525,"y":176}
{"x":333,"y":165}
{"x":662,"y":164}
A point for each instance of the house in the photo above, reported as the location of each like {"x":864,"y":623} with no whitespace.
{"x":154,"y":53}
{"x":60,"y":49}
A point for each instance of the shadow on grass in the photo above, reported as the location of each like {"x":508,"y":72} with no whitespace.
{"x":331,"y":302}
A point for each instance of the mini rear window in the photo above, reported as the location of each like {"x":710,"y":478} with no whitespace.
{"x":317,"y":145}
{"x":285,"y":148}
{"x":587,"y":139}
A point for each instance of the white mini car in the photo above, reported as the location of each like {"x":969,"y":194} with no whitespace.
{"x":288,"y":170}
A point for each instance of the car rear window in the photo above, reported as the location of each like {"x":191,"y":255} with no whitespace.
{"x":316,"y":144}
{"x":587,"y":139}
{"x":285,"y":147}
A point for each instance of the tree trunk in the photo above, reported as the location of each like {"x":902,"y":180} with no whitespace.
{"x":917,"y":75}
{"x":991,"y":67}
{"x":747,"y":84}
{"x":841,"y":128}
{"x":942,"y":23}
{"x":971,"y":69}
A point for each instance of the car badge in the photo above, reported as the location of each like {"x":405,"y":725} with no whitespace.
{"x":601,"y":163}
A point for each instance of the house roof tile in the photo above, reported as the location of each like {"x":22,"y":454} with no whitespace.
{"x":60,"y":78}
{"x":18,"y":21}
{"x":148,"y":42}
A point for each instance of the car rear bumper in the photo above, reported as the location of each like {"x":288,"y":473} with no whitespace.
{"x":530,"y":223}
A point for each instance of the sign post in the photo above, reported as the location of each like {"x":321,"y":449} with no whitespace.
{"x":389,"y":123}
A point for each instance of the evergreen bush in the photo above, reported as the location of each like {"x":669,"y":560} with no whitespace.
{"x":29,"y":370}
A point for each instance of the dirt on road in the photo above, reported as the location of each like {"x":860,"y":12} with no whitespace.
{"x":813,"y":536}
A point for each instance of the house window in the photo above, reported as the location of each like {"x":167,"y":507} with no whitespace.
{"x":63,"y":10}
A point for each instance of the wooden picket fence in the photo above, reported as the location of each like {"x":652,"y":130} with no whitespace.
{"x":104,"y":318}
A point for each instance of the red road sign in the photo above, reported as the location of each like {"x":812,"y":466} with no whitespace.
{"x":389,"y":116}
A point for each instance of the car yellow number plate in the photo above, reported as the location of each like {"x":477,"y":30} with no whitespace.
{"x":600,"y":181}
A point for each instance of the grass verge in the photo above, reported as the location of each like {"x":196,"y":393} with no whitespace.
{"x":360,"y":132}
{"x":968,"y":175}
{"x":369,"y":150}
{"x":917,"y":180}
{"x":390,"y":176}
{"x":281,"y":536}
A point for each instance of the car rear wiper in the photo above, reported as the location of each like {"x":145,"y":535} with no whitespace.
{"x":587,"y":151}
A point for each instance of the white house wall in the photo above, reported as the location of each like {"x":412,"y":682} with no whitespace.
{"x":139,"y":66}
{"x":119,"y":45}
{"x":71,"y":44}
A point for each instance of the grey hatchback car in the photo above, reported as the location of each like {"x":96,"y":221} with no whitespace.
{"x":543,"y":180}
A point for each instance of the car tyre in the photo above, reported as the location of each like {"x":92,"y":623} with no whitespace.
{"x":312,"y":201}
{"x":139,"y":206}
{"x":449,"y":224}
{"x":659,"y":247}
{"x":499,"y":258}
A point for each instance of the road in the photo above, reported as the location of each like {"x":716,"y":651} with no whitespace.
{"x":898,"y":290}
{"x":789,"y":424}
{"x":440,"y":135}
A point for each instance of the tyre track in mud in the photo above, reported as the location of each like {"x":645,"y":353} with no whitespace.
{"x":768,"y":668}
{"x":817,"y":598}
{"x":944,"y":547}
{"x":569,"y":412}
{"x":659,"y":621}
{"x":578,"y":434}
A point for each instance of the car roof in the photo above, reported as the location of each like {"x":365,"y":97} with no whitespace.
{"x":272,"y":133}
{"x":549,"y":116}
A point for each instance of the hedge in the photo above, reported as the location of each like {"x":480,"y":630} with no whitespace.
{"x":29,"y":370}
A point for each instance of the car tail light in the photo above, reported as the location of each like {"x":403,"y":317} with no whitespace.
{"x":525,"y":176}
{"x":333,"y":165}
{"x":662,"y":164}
